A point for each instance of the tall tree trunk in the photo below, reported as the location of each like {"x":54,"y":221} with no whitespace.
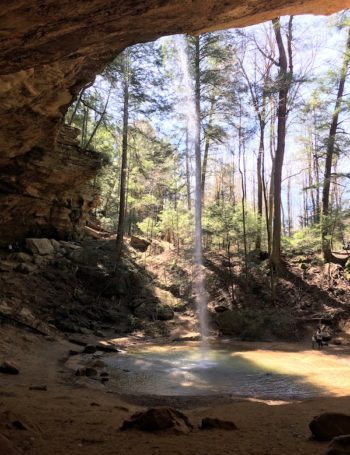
{"x":326,"y":222}
{"x":289,"y":208}
{"x":260,"y":185}
{"x":197,"y":151}
{"x":206,"y":149}
{"x":123,"y":170}
{"x":285,"y":79}
{"x":243,"y":199}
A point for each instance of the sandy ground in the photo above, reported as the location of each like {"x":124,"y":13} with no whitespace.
{"x":72,"y":418}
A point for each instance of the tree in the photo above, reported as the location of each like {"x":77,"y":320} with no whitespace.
{"x":331,"y":145}
{"x":284,"y":81}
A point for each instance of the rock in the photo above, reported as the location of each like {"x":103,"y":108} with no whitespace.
{"x":8,"y":368}
{"x":40,"y":246}
{"x":6,"y":446}
{"x":329,"y":425}
{"x":90,"y":372}
{"x":18,"y":425}
{"x":7,"y":266}
{"x":90,"y":349}
{"x":145,"y":310}
{"x":70,"y":245}
{"x":106,"y":347}
{"x":164,"y":312}
{"x":38,"y":260}
{"x":20,"y":257}
{"x":26,"y":268}
{"x":86,"y":371}
{"x":339,"y":446}
{"x":41,"y":388}
{"x":220,"y":309}
{"x":139,"y":243}
{"x":209,"y":423}
{"x":56,"y":244}
{"x":159,"y":419}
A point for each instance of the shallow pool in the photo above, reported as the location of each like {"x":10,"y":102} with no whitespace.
{"x":188,"y":370}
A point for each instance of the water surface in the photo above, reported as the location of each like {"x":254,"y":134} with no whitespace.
{"x":187,"y":370}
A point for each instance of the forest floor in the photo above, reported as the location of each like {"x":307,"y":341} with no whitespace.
{"x":50,"y":302}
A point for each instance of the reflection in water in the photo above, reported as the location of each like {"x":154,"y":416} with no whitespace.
{"x":187,"y":370}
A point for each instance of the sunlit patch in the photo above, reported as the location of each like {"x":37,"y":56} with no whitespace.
{"x":328,"y":371}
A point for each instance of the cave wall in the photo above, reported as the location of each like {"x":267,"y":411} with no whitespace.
{"x":49,"y":50}
{"x":48,"y":192}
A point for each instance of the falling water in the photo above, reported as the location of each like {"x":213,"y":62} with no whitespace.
{"x":194,"y":140}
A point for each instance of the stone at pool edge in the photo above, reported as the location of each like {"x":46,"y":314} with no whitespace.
{"x":159,"y":419}
{"x":339,"y":446}
{"x":329,"y":425}
{"x":210,"y":423}
{"x":86,"y":371}
{"x":90,"y":349}
{"x":8,"y":368}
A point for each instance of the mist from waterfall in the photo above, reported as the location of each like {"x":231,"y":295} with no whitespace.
{"x":193,"y":127}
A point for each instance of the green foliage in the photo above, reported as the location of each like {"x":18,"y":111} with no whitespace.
{"x":304,"y":241}
{"x":173,"y":224}
{"x":224,"y":223}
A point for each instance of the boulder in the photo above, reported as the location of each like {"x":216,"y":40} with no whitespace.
{"x":209,"y":423}
{"x":159,"y":419}
{"x":139,"y":243}
{"x":164,"y":312}
{"x":56,"y":244}
{"x":220,"y":309}
{"x":328,"y":425}
{"x":145,"y":310}
{"x":26,"y":268}
{"x":339,"y":446}
{"x":40,"y":246}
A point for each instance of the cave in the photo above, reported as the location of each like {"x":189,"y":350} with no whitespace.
{"x":67,"y":376}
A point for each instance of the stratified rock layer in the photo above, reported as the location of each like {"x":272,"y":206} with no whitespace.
{"x":47,"y":192}
{"x":48,"y":51}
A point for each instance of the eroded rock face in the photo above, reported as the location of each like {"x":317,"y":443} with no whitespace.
{"x":48,"y":51}
{"x":47,"y":192}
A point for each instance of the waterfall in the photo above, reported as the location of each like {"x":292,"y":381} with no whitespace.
{"x":193,"y":125}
